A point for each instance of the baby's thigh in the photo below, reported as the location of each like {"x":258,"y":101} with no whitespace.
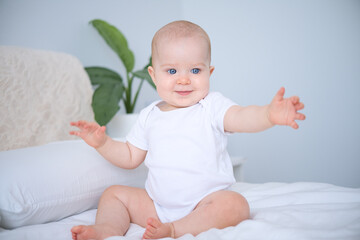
{"x":138,"y":203}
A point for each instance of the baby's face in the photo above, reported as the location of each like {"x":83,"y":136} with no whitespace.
{"x":181,"y":71}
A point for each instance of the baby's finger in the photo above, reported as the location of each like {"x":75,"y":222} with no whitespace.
{"x":294,"y":125}
{"x":280,"y":94}
{"x":300,"y":116}
{"x":91,"y":126}
{"x":295,"y":99}
{"x":100,"y":130}
{"x":299,"y":106}
{"x":74,"y":133}
{"x":83,"y":123}
{"x":75,"y":124}
{"x":79,"y":124}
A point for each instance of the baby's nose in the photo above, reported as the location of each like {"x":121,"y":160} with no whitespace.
{"x":183,"y":80}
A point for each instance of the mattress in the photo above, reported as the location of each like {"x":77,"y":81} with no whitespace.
{"x":278,"y":211}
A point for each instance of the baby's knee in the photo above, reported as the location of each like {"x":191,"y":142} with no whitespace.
{"x":115,"y":191}
{"x":237,"y":207}
{"x":112,"y":190}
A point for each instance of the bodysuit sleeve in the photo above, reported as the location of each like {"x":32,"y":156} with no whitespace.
{"x":217,"y":106}
{"x":137,"y":135}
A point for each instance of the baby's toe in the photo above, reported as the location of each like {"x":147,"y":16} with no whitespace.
{"x":150,"y":229}
{"x":154,"y":223}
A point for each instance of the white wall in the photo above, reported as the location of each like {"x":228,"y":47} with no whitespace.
{"x":310,"y":47}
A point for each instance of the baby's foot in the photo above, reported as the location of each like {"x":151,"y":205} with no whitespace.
{"x":97,"y":232}
{"x":155,"y":229}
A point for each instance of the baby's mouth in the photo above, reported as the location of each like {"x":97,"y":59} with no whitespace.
{"x":183,"y":93}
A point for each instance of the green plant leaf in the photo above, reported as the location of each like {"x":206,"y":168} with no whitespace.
{"x":101,"y":75}
{"x":117,"y":41}
{"x":144,"y":74}
{"x":105,"y":102}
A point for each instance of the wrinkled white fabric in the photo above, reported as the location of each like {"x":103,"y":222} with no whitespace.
{"x":279,"y":211}
{"x":40,"y":93}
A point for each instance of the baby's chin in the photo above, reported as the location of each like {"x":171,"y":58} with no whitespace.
{"x":185,"y":101}
{"x":185,"y":104}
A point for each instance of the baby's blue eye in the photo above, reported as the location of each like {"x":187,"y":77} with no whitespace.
{"x":172,"y":71}
{"x":195,"y":70}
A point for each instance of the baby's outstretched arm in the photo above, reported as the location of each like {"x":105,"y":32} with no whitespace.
{"x":121,"y":154}
{"x":281,"y":111}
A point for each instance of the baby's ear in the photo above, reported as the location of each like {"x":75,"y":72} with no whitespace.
{"x":212,"y":68}
{"x":152,"y":73}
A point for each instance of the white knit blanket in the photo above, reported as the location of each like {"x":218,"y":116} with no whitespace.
{"x":40,"y":93}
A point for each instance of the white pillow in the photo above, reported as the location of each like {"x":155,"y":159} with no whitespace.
{"x":50,"y":182}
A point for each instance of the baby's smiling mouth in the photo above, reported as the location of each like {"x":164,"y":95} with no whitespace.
{"x":183,"y":93}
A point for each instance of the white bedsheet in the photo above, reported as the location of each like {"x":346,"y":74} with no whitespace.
{"x":278,"y":211}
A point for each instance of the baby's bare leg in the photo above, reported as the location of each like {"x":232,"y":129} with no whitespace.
{"x":217,"y":210}
{"x":118,"y":206}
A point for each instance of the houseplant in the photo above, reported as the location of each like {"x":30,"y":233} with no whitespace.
{"x":111,"y":88}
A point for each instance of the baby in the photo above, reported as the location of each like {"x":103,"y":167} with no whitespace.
{"x":182,"y":140}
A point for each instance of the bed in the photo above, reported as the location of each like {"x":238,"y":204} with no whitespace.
{"x":50,"y":181}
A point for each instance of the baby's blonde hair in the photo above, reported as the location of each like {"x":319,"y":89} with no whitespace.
{"x":179,"y":29}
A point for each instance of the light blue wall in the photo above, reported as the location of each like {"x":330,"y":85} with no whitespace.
{"x":310,"y":47}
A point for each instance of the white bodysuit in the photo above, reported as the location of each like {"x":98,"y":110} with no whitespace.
{"x":186,"y":154}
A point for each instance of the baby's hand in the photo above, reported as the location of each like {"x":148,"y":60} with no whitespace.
{"x":92,"y":133}
{"x":284,"y":111}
